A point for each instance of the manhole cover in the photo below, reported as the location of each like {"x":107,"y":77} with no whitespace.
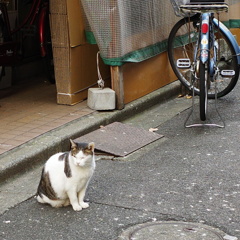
{"x":173,"y":231}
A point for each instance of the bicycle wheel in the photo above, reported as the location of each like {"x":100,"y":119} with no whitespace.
{"x":182,"y":44}
{"x":203,"y":86}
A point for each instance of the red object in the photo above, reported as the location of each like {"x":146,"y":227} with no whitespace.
{"x":205,"y":28}
{"x":41,"y":27}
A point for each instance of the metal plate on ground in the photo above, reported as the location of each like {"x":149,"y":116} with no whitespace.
{"x":173,"y":231}
{"x":119,"y":139}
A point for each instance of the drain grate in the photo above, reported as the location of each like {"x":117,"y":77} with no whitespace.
{"x":172,"y":231}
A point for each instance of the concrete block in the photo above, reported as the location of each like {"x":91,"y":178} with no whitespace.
{"x":101,"y":99}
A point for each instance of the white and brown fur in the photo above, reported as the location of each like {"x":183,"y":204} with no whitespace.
{"x":65,"y":177}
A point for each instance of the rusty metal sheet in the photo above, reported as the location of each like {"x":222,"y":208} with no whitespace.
{"x":119,"y":139}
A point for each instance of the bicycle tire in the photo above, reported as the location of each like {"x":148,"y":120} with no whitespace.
{"x":182,"y":45}
{"x":203,"y":94}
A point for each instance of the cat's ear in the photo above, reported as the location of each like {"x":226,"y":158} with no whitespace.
{"x":73,"y":144}
{"x":91,"y":146}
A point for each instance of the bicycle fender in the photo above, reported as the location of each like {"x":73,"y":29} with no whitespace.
{"x":230,"y":36}
{"x":204,"y":40}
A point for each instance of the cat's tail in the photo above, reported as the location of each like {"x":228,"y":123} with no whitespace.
{"x":54,"y":203}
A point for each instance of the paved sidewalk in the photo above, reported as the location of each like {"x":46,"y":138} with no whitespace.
{"x":37,"y":150}
{"x":29,"y":109}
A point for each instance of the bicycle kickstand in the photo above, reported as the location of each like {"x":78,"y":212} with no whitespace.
{"x":193,"y":106}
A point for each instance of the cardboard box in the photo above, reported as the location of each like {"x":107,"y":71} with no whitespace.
{"x":67,"y":23}
{"x":234,"y":11}
{"x":76,"y":71}
{"x":74,"y":59}
{"x":58,"y":7}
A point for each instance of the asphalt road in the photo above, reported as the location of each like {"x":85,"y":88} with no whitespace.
{"x":192,"y":175}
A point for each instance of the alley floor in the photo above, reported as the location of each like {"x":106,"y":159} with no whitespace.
{"x":191,"y":175}
{"x":29,"y":109}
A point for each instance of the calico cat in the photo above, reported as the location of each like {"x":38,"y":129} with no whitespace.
{"x":65,"y":177}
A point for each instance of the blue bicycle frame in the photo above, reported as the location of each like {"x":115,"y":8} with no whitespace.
{"x":205,"y":37}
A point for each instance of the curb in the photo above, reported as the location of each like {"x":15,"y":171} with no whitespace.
{"x":38,"y":150}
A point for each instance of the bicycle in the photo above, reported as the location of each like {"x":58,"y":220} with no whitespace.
{"x":202,"y":52}
{"x":36,"y":23}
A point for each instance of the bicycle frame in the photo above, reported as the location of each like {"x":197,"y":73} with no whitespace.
{"x":11,"y":52}
{"x":206,"y":41}
{"x":38,"y":7}
{"x":41,"y":27}
{"x":204,"y":44}
{"x":204,"y":38}
{"x":207,"y":44}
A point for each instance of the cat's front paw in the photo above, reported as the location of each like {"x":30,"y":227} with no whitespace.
{"x":77,"y":207}
{"x":84,"y":204}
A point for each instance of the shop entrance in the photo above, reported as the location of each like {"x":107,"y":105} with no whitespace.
{"x":28,"y":104}
{"x":25,"y":41}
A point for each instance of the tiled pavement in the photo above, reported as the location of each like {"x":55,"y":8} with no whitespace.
{"x":30,"y":109}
